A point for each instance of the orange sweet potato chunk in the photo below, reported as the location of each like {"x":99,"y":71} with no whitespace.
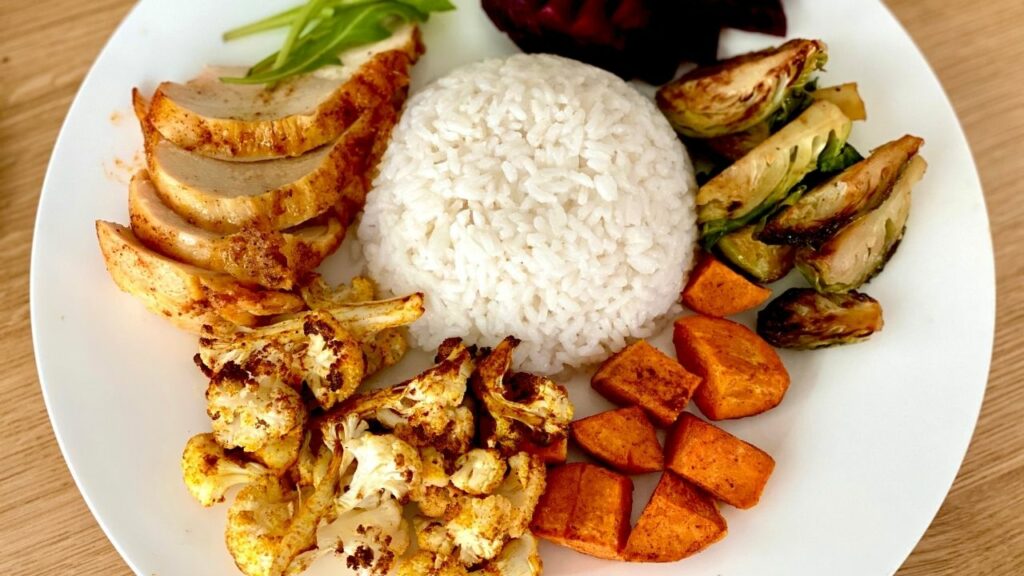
{"x":730,"y":469}
{"x":623,"y":439}
{"x":742,"y":374}
{"x":716,"y":290}
{"x":586,"y":508}
{"x":641,"y":375}
{"x":679,"y":521}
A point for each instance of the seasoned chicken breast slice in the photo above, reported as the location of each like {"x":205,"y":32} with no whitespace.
{"x":188,"y":296}
{"x":246,"y":122}
{"x":254,"y":254}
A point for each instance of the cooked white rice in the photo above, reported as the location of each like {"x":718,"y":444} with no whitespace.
{"x":534,"y":196}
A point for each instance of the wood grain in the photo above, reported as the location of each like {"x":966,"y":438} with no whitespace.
{"x":46,"y":48}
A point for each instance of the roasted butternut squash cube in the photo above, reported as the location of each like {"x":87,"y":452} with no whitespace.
{"x":730,"y":469}
{"x":641,"y":375}
{"x":742,"y":374}
{"x":586,"y":508}
{"x":624,"y":439}
{"x":715,"y":289}
{"x":679,"y":521}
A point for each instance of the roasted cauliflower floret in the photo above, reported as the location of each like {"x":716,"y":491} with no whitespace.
{"x":523,"y":487}
{"x":258,"y":521}
{"x":475,"y":529}
{"x":368,"y":541}
{"x":209,"y":471}
{"x":313,"y":347}
{"x":428,"y":410}
{"x":385,"y":467}
{"x":280,"y":454}
{"x":479,"y":471}
{"x":248,"y":412}
{"x":522,"y":406}
{"x":520,"y":557}
{"x":480,"y":528}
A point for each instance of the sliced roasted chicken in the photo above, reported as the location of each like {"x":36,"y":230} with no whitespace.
{"x":226,"y":196}
{"x":257,"y":255}
{"x":188,"y":296}
{"x":238,"y":122}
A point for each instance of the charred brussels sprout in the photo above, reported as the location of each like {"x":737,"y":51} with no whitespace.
{"x":740,"y":92}
{"x":752,"y":186}
{"x":762,"y":262}
{"x":804,"y":319}
{"x":861,"y":249}
{"x":818,"y":214}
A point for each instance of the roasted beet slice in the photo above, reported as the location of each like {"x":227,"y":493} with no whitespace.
{"x":644,"y":39}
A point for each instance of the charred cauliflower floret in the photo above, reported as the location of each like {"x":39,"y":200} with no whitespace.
{"x":248,"y":412}
{"x":480,"y":527}
{"x":476,"y":528}
{"x":368,"y":541}
{"x":385,"y":467}
{"x":479,"y":471}
{"x":428,"y":410}
{"x":523,"y":487}
{"x":331,"y":348}
{"x":312,"y":347}
{"x":258,"y":521}
{"x":522,"y":406}
{"x":209,"y":471}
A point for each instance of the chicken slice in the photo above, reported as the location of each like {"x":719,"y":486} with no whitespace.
{"x":240,"y":122}
{"x":188,"y":296}
{"x":224,"y":196}
{"x":254,"y":255}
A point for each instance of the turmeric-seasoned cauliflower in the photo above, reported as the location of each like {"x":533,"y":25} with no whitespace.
{"x":475,"y":528}
{"x":428,"y":410}
{"x":312,"y":347}
{"x":385,"y":467}
{"x":479,"y":471}
{"x":258,"y":521}
{"x":368,"y":541}
{"x":280,"y":454}
{"x":209,"y":471}
{"x":336,"y":489}
{"x":520,"y":557}
{"x":522,"y":406}
{"x":248,"y":412}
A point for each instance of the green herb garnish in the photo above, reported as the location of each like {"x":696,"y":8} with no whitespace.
{"x":320,"y":29}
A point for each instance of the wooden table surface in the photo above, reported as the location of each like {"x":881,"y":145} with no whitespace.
{"x":46,"y":48}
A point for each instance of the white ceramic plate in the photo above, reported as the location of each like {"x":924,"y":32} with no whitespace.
{"x":868,"y":439}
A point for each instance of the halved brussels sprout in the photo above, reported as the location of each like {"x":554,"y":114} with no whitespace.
{"x":818,"y":214}
{"x":860,"y":250}
{"x":737,"y":93}
{"x":804,"y":319}
{"x":754,"y":184}
{"x":763,"y":262}
{"x":847,"y":97}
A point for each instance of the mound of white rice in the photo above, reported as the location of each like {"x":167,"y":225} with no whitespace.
{"x":534,"y":196}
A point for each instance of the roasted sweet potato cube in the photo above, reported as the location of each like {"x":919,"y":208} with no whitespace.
{"x":679,"y":521}
{"x":641,"y":375}
{"x":742,"y":374}
{"x":730,"y":469}
{"x":624,"y":439}
{"x":586,"y":508}
{"x":716,"y":290}
{"x":554,"y":453}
